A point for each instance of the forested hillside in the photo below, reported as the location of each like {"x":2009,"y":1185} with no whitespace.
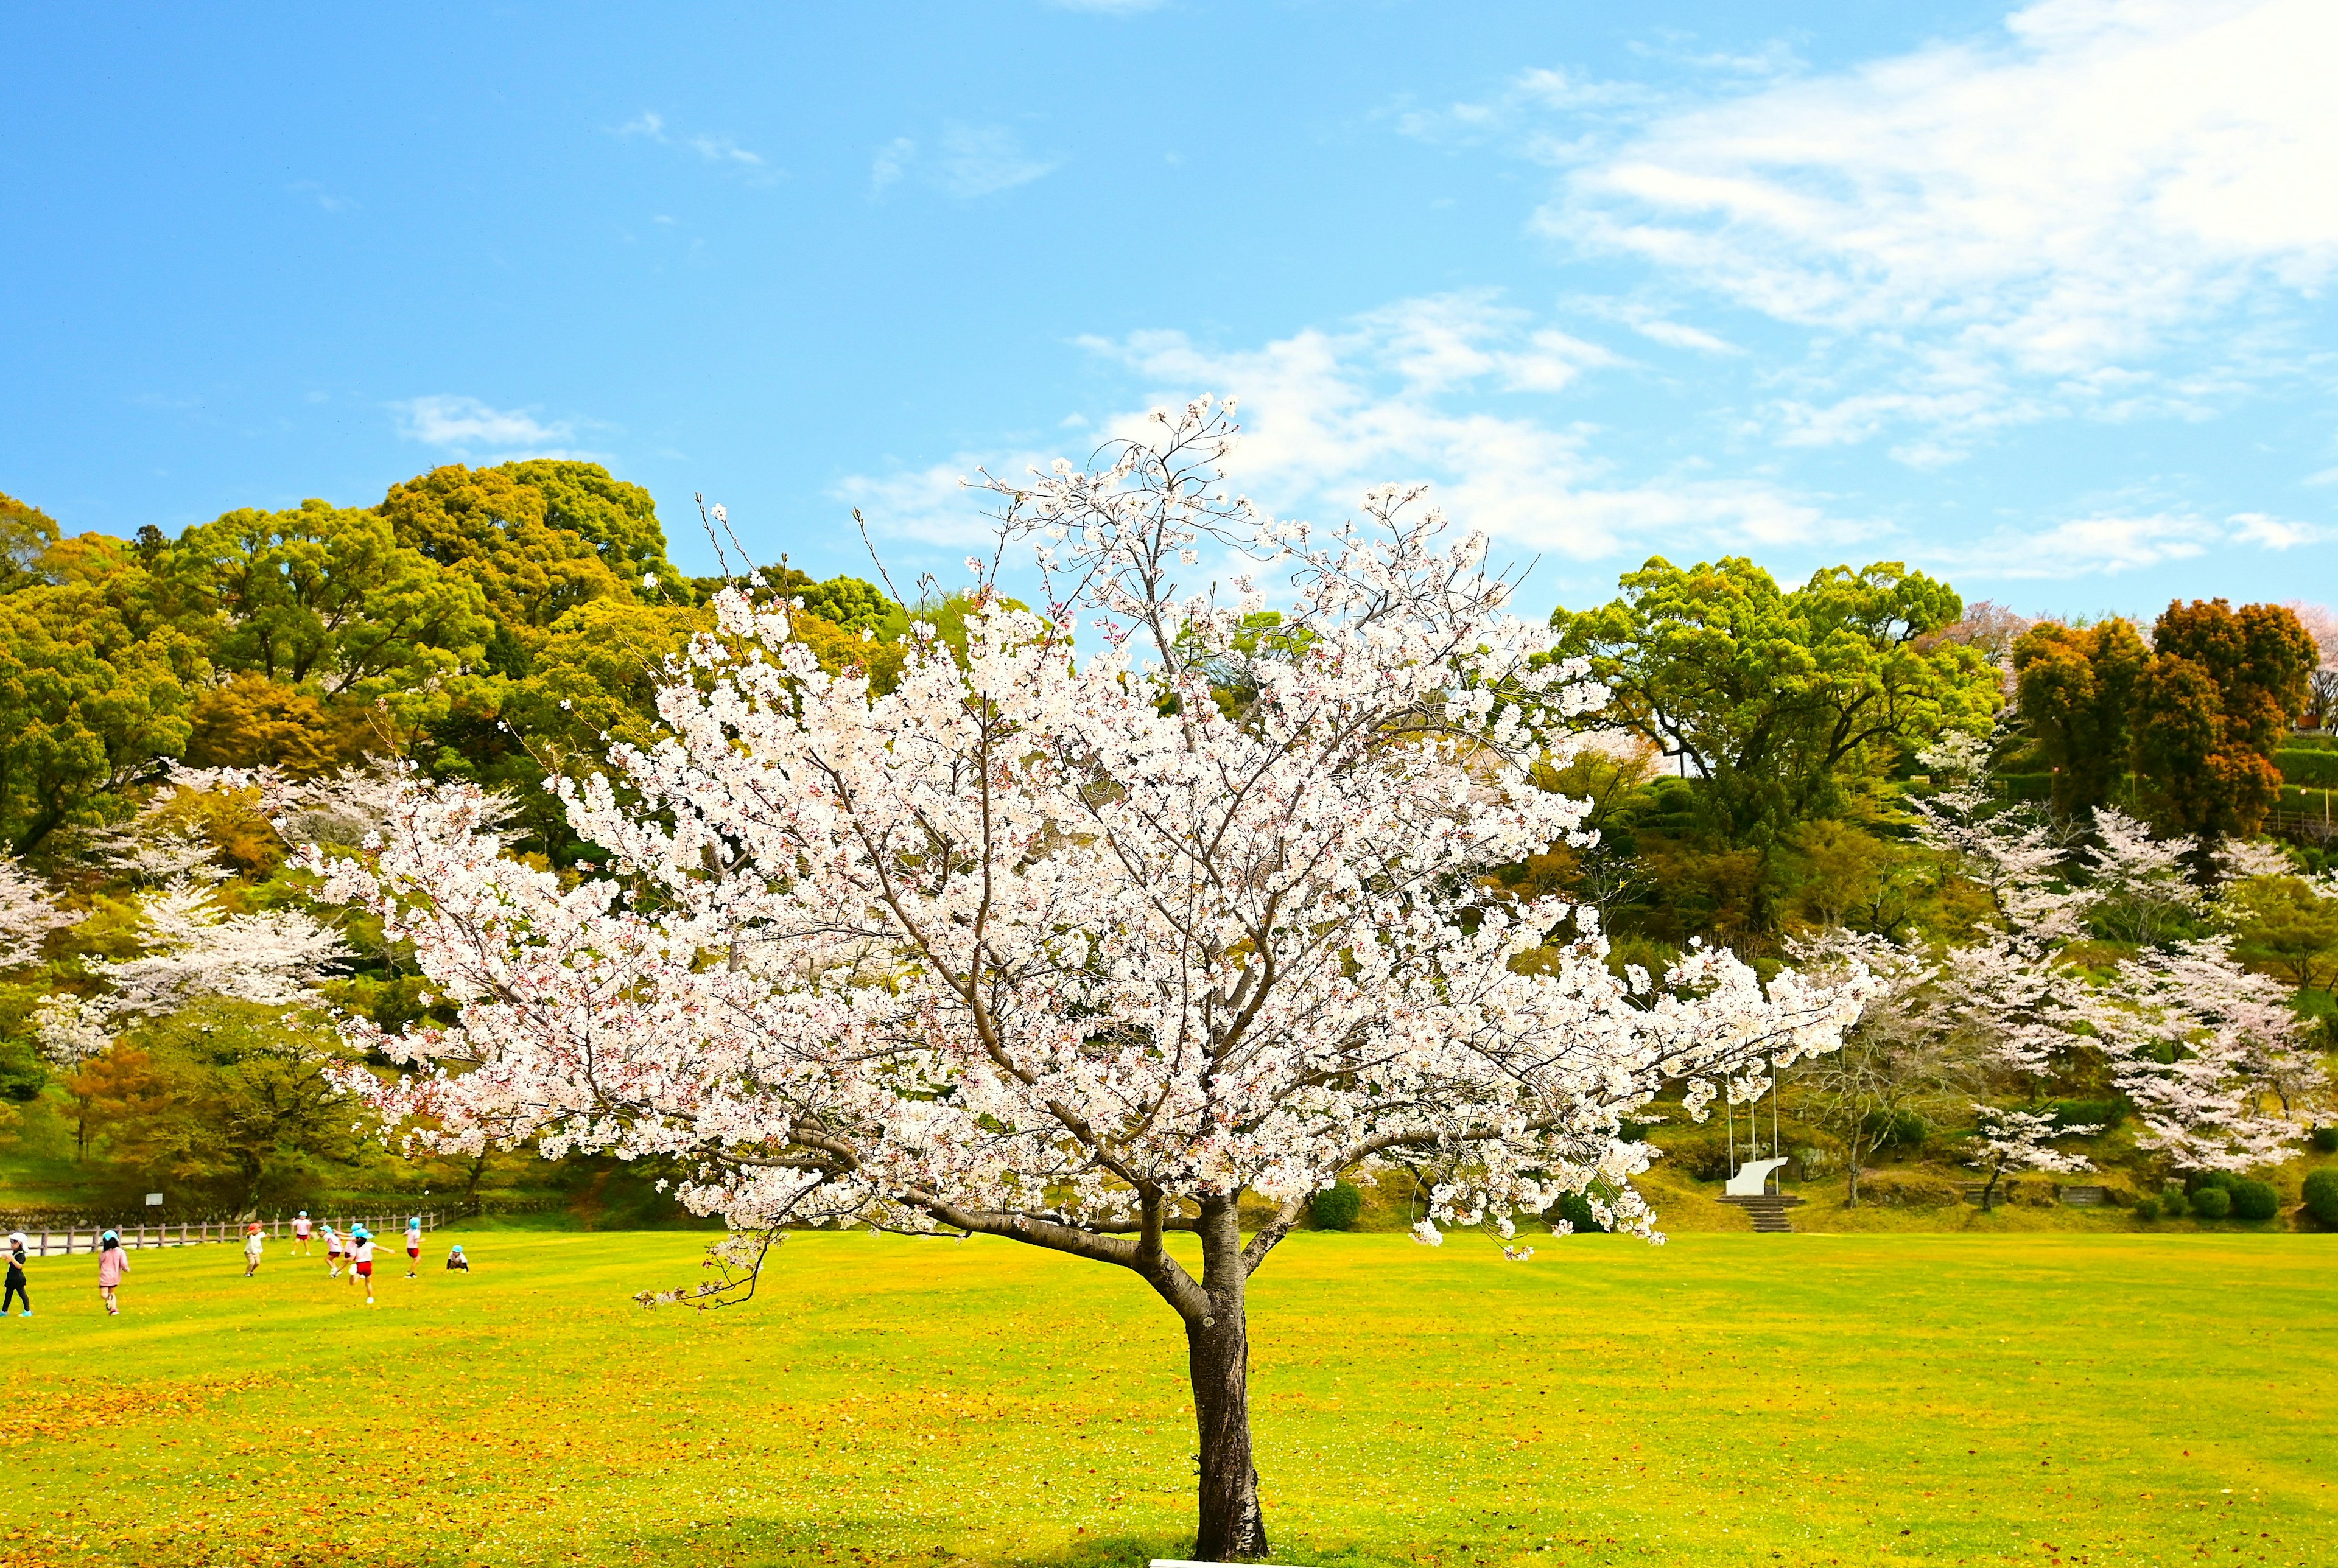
{"x":166,"y":986}
{"x":2089,"y":860}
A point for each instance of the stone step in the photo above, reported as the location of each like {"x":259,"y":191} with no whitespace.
{"x":1768,"y":1212}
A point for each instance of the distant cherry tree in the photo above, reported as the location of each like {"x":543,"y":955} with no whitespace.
{"x":1085,"y":947}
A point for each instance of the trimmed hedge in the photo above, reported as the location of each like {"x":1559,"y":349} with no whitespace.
{"x":2294,"y":743}
{"x":2307,"y":769}
{"x":2212,"y":1203}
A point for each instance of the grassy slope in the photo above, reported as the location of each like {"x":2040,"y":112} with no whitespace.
{"x":1724,"y":1400}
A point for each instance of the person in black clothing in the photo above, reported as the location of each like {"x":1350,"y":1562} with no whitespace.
{"x":16,"y":1291}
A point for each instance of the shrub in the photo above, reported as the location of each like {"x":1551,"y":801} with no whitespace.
{"x":1898,"y":1130}
{"x":2200,"y":1182}
{"x":2307,"y":768}
{"x":2321,"y":1195}
{"x":2326,"y":1139}
{"x":1675,"y":800}
{"x":1909,"y":1190}
{"x":2255,"y":1199}
{"x":1575,"y":1210}
{"x":2146,"y":1208}
{"x":1336,"y":1207}
{"x":2104,"y":1114}
{"x":1706,"y":1159}
{"x":2212,"y":1203}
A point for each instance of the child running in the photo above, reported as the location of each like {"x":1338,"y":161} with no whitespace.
{"x":300,"y":1234}
{"x":113,"y":1263}
{"x":16,"y":1291}
{"x":251,"y":1243}
{"x":361,"y":1265}
{"x":413,"y":1244}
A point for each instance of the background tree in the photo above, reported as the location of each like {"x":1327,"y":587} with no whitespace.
{"x":1899,"y":1062}
{"x":2322,"y":686}
{"x":2288,"y":924}
{"x":327,"y":596}
{"x":1779,"y":699}
{"x":497,"y":528}
{"x":2076,"y":687}
{"x":1060,"y":951}
{"x":2220,"y":691}
{"x":89,"y":699}
{"x":28,"y":534}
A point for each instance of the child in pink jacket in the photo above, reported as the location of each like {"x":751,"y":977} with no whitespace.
{"x":113,"y":1263}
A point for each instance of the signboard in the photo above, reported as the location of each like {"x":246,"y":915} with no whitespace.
{"x":153,"y":1200}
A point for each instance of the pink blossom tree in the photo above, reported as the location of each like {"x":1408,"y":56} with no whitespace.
{"x":1085,"y":951}
{"x":28,"y":912}
{"x":2008,"y":1140}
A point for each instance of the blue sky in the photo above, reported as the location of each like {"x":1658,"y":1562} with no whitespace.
{"x":2035,"y":298}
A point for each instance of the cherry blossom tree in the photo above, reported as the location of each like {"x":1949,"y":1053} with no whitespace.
{"x":2010,"y":994}
{"x":28,"y":912}
{"x":1905,"y":1056}
{"x":273,"y":958}
{"x":1082,"y":950}
{"x":2143,"y":886}
{"x":2008,"y":1140}
{"x":2214,"y":1059}
{"x":71,"y":1029}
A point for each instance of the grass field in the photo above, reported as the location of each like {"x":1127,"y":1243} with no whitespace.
{"x":1724,"y":1400}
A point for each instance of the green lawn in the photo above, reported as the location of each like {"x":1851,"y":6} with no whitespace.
{"x":1722,"y":1400}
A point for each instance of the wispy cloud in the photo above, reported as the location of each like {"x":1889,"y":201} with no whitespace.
{"x":983,"y":159}
{"x":651,"y":127}
{"x":1409,"y":393}
{"x":467,"y":429}
{"x":969,"y":163}
{"x":2111,"y":544}
{"x":2082,"y":214}
{"x":327,"y":200}
{"x":892,"y":161}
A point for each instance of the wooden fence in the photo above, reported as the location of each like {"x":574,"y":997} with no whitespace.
{"x":72,"y":1239}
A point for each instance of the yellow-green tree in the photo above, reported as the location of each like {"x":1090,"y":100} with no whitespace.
{"x":326,"y":597}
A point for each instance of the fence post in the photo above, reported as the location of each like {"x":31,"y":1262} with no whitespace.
{"x":44,"y":1240}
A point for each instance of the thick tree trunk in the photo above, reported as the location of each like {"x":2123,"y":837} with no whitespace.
{"x":1218,"y":1352}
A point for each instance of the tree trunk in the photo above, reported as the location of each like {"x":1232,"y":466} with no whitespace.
{"x":1218,"y":1354}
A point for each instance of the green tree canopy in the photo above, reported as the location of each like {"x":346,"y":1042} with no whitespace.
{"x":326,"y":595}
{"x":1777,"y":698}
{"x":87,"y":701}
{"x":494,"y":527}
{"x":27,"y":535}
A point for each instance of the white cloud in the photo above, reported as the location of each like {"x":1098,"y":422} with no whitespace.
{"x":2107,"y":183}
{"x":1399,"y":394}
{"x":983,"y":159}
{"x":931,"y":506}
{"x":649,"y":126}
{"x":891,"y":160}
{"x":462,"y":427}
{"x":971,"y":161}
{"x":2108,"y":546}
